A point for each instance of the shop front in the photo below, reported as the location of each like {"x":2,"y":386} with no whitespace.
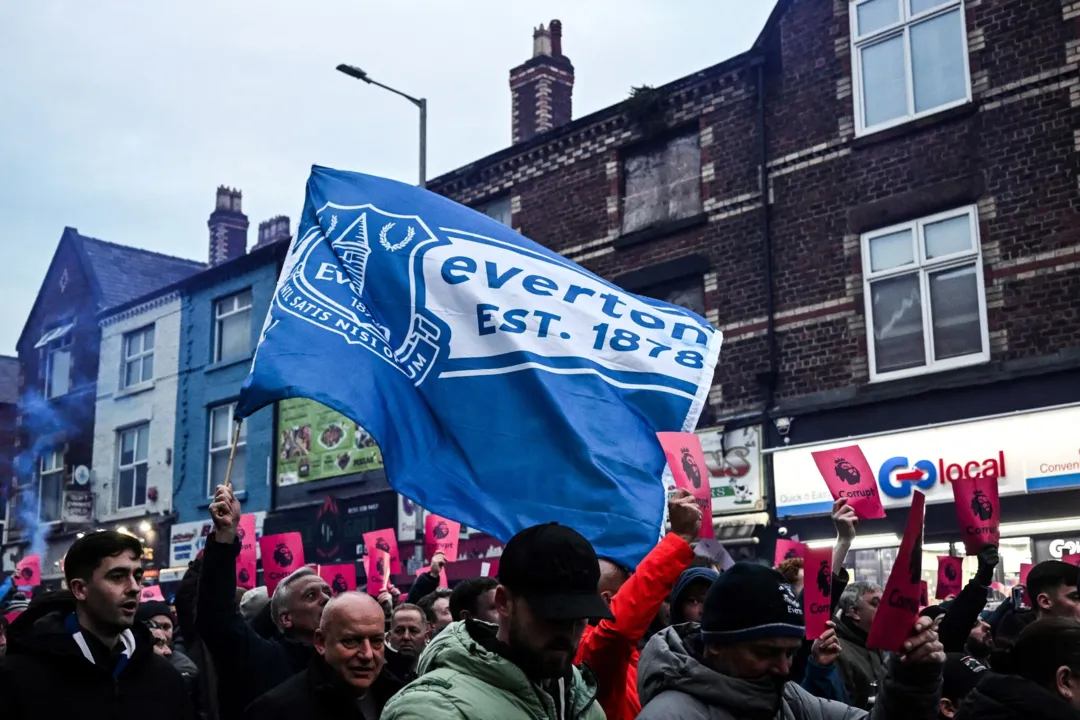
{"x":1033,"y":456}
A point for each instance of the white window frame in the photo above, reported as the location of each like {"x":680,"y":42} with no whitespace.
{"x":50,"y":464}
{"x":234,"y":309}
{"x":924,"y":268}
{"x":137,"y":357}
{"x":211,"y":450}
{"x":134,"y":465}
{"x":901,"y":27}
{"x":63,"y":344}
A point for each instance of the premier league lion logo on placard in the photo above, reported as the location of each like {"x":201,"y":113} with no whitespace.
{"x":244,"y":576}
{"x":325,"y":283}
{"x":847,"y":472}
{"x":824,"y":582}
{"x":950,"y":572}
{"x":283,"y":555}
{"x":26,"y":574}
{"x":690,"y":467}
{"x":915,"y":561}
{"x":382,"y":544}
{"x":441,"y":531}
{"x":981,"y":506}
{"x":339,"y":585}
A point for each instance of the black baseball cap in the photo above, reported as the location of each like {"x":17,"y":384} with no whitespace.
{"x":960,"y":676}
{"x":556,"y":570}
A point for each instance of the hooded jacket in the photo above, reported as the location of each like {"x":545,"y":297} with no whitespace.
{"x":320,"y":694}
{"x":1010,"y":697}
{"x":610,"y":648}
{"x":461,"y":679}
{"x":674,"y":683}
{"x":861,"y":667}
{"x":247,"y":664}
{"x":46,"y":674}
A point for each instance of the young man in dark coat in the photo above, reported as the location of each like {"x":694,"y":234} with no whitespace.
{"x":81,"y":654}
{"x":348,"y":680}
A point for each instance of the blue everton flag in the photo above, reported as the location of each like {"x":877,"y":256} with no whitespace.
{"x":505,"y":385}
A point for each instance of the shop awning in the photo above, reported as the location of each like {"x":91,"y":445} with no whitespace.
{"x":737,"y":529}
{"x":54,"y":334}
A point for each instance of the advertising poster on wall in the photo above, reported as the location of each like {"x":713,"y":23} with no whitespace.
{"x":316,"y":443}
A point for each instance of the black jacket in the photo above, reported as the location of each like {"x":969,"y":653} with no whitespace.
{"x":247,"y":665}
{"x":1010,"y":697}
{"x":955,"y":627}
{"x":319,"y":694}
{"x":46,"y":675}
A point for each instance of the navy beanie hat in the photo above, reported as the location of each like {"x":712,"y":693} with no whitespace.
{"x":750,"y":602}
{"x":149,"y":609}
{"x":688,"y":578}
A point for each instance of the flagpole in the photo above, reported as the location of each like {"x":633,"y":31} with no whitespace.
{"x":232,"y":453}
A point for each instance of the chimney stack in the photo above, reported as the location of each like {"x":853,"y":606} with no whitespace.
{"x":542,"y":87}
{"x":273,"y":230}
{"x":228,"y":227}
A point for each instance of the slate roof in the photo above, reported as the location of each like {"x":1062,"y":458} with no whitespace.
{"x":9,"y":380}
{"x":123,"y":273}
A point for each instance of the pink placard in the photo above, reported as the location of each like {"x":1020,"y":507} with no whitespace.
{"x":687,"y":463}
{"x":1071,"y":559}
{"x":377,"y":568}
{"x":385,"y":540}
{"x":786,"y":550}
{"x":28,"y":571}
{"x":817,"y":590}
{"x":849,"y":476}
{"x":246,"y":561}
{"x":950,"y":576}
{"x":442,"y":575}
{"x":900,"y":601}
{"x":924,"y":594}
{"x":978,"y":511}
{"x":441,"y":535}
{"x":153,"y":592}
{"x":340,"y":578}
{"x":281,"y":556}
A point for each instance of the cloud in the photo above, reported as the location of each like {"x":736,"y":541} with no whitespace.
{"x":121,"y":118}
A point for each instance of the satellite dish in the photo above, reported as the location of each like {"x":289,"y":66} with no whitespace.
{"x":82,"y":475}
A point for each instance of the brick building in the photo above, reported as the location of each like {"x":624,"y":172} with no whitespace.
{"x":917,"y":261}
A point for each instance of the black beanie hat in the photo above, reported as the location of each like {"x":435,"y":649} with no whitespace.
{"x":149,"y":609}
{"x":750,"y":602}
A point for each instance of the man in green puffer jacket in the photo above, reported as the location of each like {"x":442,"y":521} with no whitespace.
{"x":522,"y":668}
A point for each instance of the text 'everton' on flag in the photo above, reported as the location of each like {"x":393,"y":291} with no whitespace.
{"x":505,"y":385}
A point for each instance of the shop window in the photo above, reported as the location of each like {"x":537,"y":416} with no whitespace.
{"x":232,"y":337}
{"x":497,"y":210}
{"x":222,"y":424}
{"x":139,"y":357}
{"x":925,"y":299}
{"x":50,"y":486}
{"x":688,"y":292}
{"x":662,"y":183}
{"x":132,"y":465}
{"x":910,"y":59}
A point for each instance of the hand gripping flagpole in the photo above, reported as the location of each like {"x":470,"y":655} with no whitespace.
{"x":232,"y":453}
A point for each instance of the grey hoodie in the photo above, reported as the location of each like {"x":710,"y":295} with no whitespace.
{"x":673,"y":683}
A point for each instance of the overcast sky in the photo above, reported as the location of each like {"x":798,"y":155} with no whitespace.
{"x":122,"y":118}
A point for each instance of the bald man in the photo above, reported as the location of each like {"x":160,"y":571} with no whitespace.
{"x":610,"y":647}
{"x":347,"y":680}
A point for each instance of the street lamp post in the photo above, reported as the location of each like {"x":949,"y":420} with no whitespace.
{"x":355,"y":72}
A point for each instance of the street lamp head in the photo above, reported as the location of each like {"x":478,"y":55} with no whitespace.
{"x":354,"y":72}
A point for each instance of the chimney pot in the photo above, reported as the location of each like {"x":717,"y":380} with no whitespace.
{"x":556,"y":37}
{"x":542,"y":87}
{"x":228,"y":226}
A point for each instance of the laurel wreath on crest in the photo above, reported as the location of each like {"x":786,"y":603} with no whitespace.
{"x":396,"y":246}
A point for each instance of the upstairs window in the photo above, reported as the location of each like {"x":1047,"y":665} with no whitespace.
{"x":925,"y":296}
{"x":910,"y":59}
{"x":56,"y":344}
{"x":222,"y":425}
{"x":662,"y":183}
{"x":497,"y":210}
{"x":688,"y":292}
{"x":233,"y":327}
{"x":139,"y":356}
{"x":51,"y":486}
{"x":134,"y":445}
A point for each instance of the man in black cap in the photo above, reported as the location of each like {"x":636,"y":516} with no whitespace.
{"x":962,"y":673}
{"x":737,"y":662}
{"x":521,"y":668}
{"x":159,"y":618}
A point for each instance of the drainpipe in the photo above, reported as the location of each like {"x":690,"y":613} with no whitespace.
{"x":767,"y":250}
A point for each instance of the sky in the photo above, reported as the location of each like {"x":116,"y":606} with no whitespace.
{"x":121,"y":118}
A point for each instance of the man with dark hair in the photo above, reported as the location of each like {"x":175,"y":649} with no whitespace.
{"x":159,"y":618}
{"x":524,"y":667}
{"x":959,"y":677}
{"x":81,"y":654}
{"x":474,"y":600}
{"x":248,"y":664}
{"x":436,"y":607}
{"x":1052,"y":587}
{"x":408,"y":636}
{"x":347,"y":680}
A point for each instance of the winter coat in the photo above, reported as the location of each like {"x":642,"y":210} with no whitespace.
{"x":674,"y":683}
{"x":824,"y":681}
{"x":320,"y":694}
{"x":1010,"y":697}
{"x":955,"y":627}
{"x":46,"y":674}
{"x":463,"y":678}
{"x":247,"y":664}
{"x":610,"y":648}
{"x":861,"y":667}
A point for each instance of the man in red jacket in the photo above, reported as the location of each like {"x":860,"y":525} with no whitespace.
{"x":610,"y":648}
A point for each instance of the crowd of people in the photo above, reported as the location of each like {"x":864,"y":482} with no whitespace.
{"x":560,"y":635}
